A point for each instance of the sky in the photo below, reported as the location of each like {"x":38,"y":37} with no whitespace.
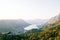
{"x":29,"y":9}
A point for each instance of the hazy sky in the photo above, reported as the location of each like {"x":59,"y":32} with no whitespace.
{"x":29,"y":9}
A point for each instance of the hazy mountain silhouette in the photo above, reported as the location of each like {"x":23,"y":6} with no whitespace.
{"x":54,"y":19}
{"x":36,"y":21}
{"x":15,"y":26}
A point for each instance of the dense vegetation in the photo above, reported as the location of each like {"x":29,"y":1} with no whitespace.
{"x":50,"y":32}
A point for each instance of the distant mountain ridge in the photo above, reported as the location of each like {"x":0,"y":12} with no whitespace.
{"x":15,"y":26}
{"x":54,"y":19}
{"x":37,"y":21}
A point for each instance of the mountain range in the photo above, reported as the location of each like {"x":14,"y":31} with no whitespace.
{"x":42,"y":23}
{"x":37,"y":21}
{"x":20,"y":26}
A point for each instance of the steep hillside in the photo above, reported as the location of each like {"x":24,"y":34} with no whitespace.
{"x":51,"y":32}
